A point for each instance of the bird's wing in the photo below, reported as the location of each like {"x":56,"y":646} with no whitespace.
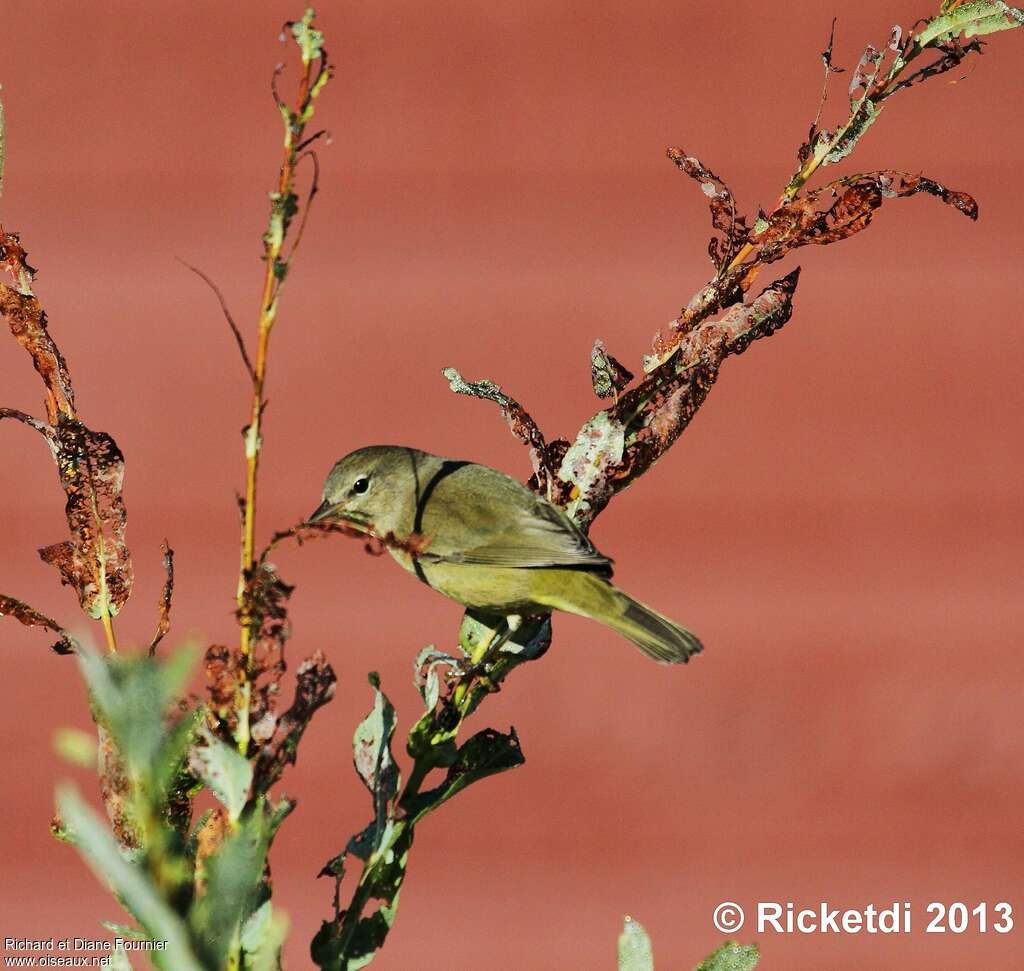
{"x":528,"y":532}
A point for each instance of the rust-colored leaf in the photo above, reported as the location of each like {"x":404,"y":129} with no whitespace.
{"x":116,"y":790}
{"x":314,"y":687}
{"x":40,"y":426}
{"x":95,"y":562}
{"x":210,"y":837}
{"x":266,"y":614}
{"x":844,"y":208}
{"x":221,"y":681}
{"x":30,"y":617}
{"x":374,"y":544}
{"x":658,"y":410}
{"x":724,"y":217}
{"x":519,"y":422}
{"x":163,"y":605}
{"x":27,"y":321}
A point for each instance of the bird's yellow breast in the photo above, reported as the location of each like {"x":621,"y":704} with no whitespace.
{"x":493,"y":589}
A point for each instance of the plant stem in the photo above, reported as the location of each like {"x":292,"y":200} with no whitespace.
{"x":817,"y":157}
{"x":108,"y":630}
{"x":283,"y":206}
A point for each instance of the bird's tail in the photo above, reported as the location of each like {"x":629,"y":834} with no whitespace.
{"x":591,"y":596}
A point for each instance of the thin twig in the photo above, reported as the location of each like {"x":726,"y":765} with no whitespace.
{"x":314,"y":188}
{"x":239,"y":339}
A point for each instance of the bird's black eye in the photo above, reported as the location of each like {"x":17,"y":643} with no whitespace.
{"x":361,"y":485}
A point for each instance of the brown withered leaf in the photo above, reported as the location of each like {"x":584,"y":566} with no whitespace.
{"x":221,"y":681}
{"x":663,"y":404}
{"x":210,"y":837}
{"x":265,"y":612}
{"x":520,"y":423}
{"x":30,"y":617}
{"x":314,"y":687}
{"x":116,"y":790}
{"x":27,"y":321}
{"x":95,"y":562}
{"x":864,"y":74}
{"x":40,"y":426}
{"x":849,"y":206}
{"x":951,"y":55}
{"x":374,"y":544}
{"x":608,"y":375}
{"x":722,"y":205}
{"x":725,"y":290}
{"x":163,"y":605}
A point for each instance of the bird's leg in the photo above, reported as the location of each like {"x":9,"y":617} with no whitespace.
{"x":491,"y":644}
{"x":487,"y":649}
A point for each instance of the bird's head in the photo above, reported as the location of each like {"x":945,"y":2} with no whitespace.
{"x":370,"y":488}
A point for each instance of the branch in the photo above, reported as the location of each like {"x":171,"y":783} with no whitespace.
{"x":30,"y":617}
{"x":95,"y":562}
{"x":316,"y":71}
{"x":239,"y":339}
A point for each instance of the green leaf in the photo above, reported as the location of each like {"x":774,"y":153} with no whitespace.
{"x":864,"y":117}
{"x":132,"y":696}
{"x":473,"y":632}
{"x":371,"y":744}
{"x":635,"y":948}
{"x":119,"y":960}
{"x":309,"y":39}
{"x":342,"y":947}
{"x":598,"y":445}
{"x":731,"y":957}
{"x":487,"y":753}
{"x":234,"y":883}
{"x":124,"y":930}
{"x":262,"y":937}
{"x":977,"y":18}
{"x":425,"y":675}
{"x":76,"y":747}
{"x":128,"y":880}
{"x":226,"y":773}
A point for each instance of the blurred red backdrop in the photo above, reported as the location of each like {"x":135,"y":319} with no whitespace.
{"x":841,"y":524}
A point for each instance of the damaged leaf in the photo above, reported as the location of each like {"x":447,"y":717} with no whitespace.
{"x":426,"y":678}
{"x":519,"y":422}
{"x":27,"y":321}
{"x":371,"y":751}
{"x":95,"y":562}
{"x":486,"y":753}
{"x":976,"y":17}
{"x":724,"y":217}
{"x":264,"y":612}
{"x":30,"y":617}
{"x":163,"y":605}
{"x":657,"y":411}
{"x":223,"y":771}
{"x":314,"y":687}
{"x":607,"y":374}
{"x":598,"y":447}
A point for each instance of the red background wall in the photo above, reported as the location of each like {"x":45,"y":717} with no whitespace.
{"x":841,"y":523}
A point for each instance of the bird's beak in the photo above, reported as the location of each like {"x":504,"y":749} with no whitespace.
{"x":324,"y":511}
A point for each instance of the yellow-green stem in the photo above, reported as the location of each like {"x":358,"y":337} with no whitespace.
{"x":253,"y":440}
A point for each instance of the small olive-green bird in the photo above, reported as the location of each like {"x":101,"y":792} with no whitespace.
{"x":489,"y":542}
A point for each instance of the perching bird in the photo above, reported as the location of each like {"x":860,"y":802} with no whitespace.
{"x":488,"y":542}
